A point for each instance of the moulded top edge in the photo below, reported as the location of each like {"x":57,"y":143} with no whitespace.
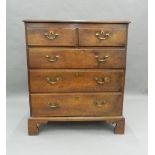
{"x":75,"y":21}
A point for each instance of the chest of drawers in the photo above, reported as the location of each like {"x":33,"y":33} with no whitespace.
{"x":76,"y":71}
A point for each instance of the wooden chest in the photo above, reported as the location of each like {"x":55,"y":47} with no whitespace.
{"x":76,"y":71}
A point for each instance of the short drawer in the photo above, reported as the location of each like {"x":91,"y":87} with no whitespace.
{"x":76,"y":104}
{"x":51,"y":36}
{"x":104,"y":35}
{"x":84,"y":80}
{"x":76,"y":58}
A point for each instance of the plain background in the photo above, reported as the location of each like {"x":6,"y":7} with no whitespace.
{"x":77,"y":137}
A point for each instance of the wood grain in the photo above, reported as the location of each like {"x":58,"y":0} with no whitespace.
{"x":76,"y":58}
{"x":117,"y":121}
{"x":73,"y":56}
{"x":66,"y":37}
{"x":76,"y":80}
{"x":77,"y":104}
{"x":87,"y":36}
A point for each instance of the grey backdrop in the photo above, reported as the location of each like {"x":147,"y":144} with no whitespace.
{"x":133,"y":10}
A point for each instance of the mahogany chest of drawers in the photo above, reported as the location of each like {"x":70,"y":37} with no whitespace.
{"x":76,"y":71}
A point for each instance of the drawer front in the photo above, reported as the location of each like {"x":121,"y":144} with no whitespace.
{"x":76,"y":80}
{"x":78,"y":104}
{"x":76,"y":58}
{"x":51,"y":36}
{"x":103,"y":36}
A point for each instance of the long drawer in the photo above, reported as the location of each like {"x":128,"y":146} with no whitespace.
{"x":76,"y":80}
{"x":76,"y":104}
{"x":76,"y":58}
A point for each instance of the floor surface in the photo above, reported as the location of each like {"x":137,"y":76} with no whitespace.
{"x":77,"y":138}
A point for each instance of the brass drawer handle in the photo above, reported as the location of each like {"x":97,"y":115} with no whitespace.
{"x":99,"y":104}
{"x":101,"y":80}
{"x":51,"y":35}
{"x":53,"y":80}
{"x":52,"y":59}
{"x":101,"y":59}
{"x":102,"y":35}
{"x":53,"y":105}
